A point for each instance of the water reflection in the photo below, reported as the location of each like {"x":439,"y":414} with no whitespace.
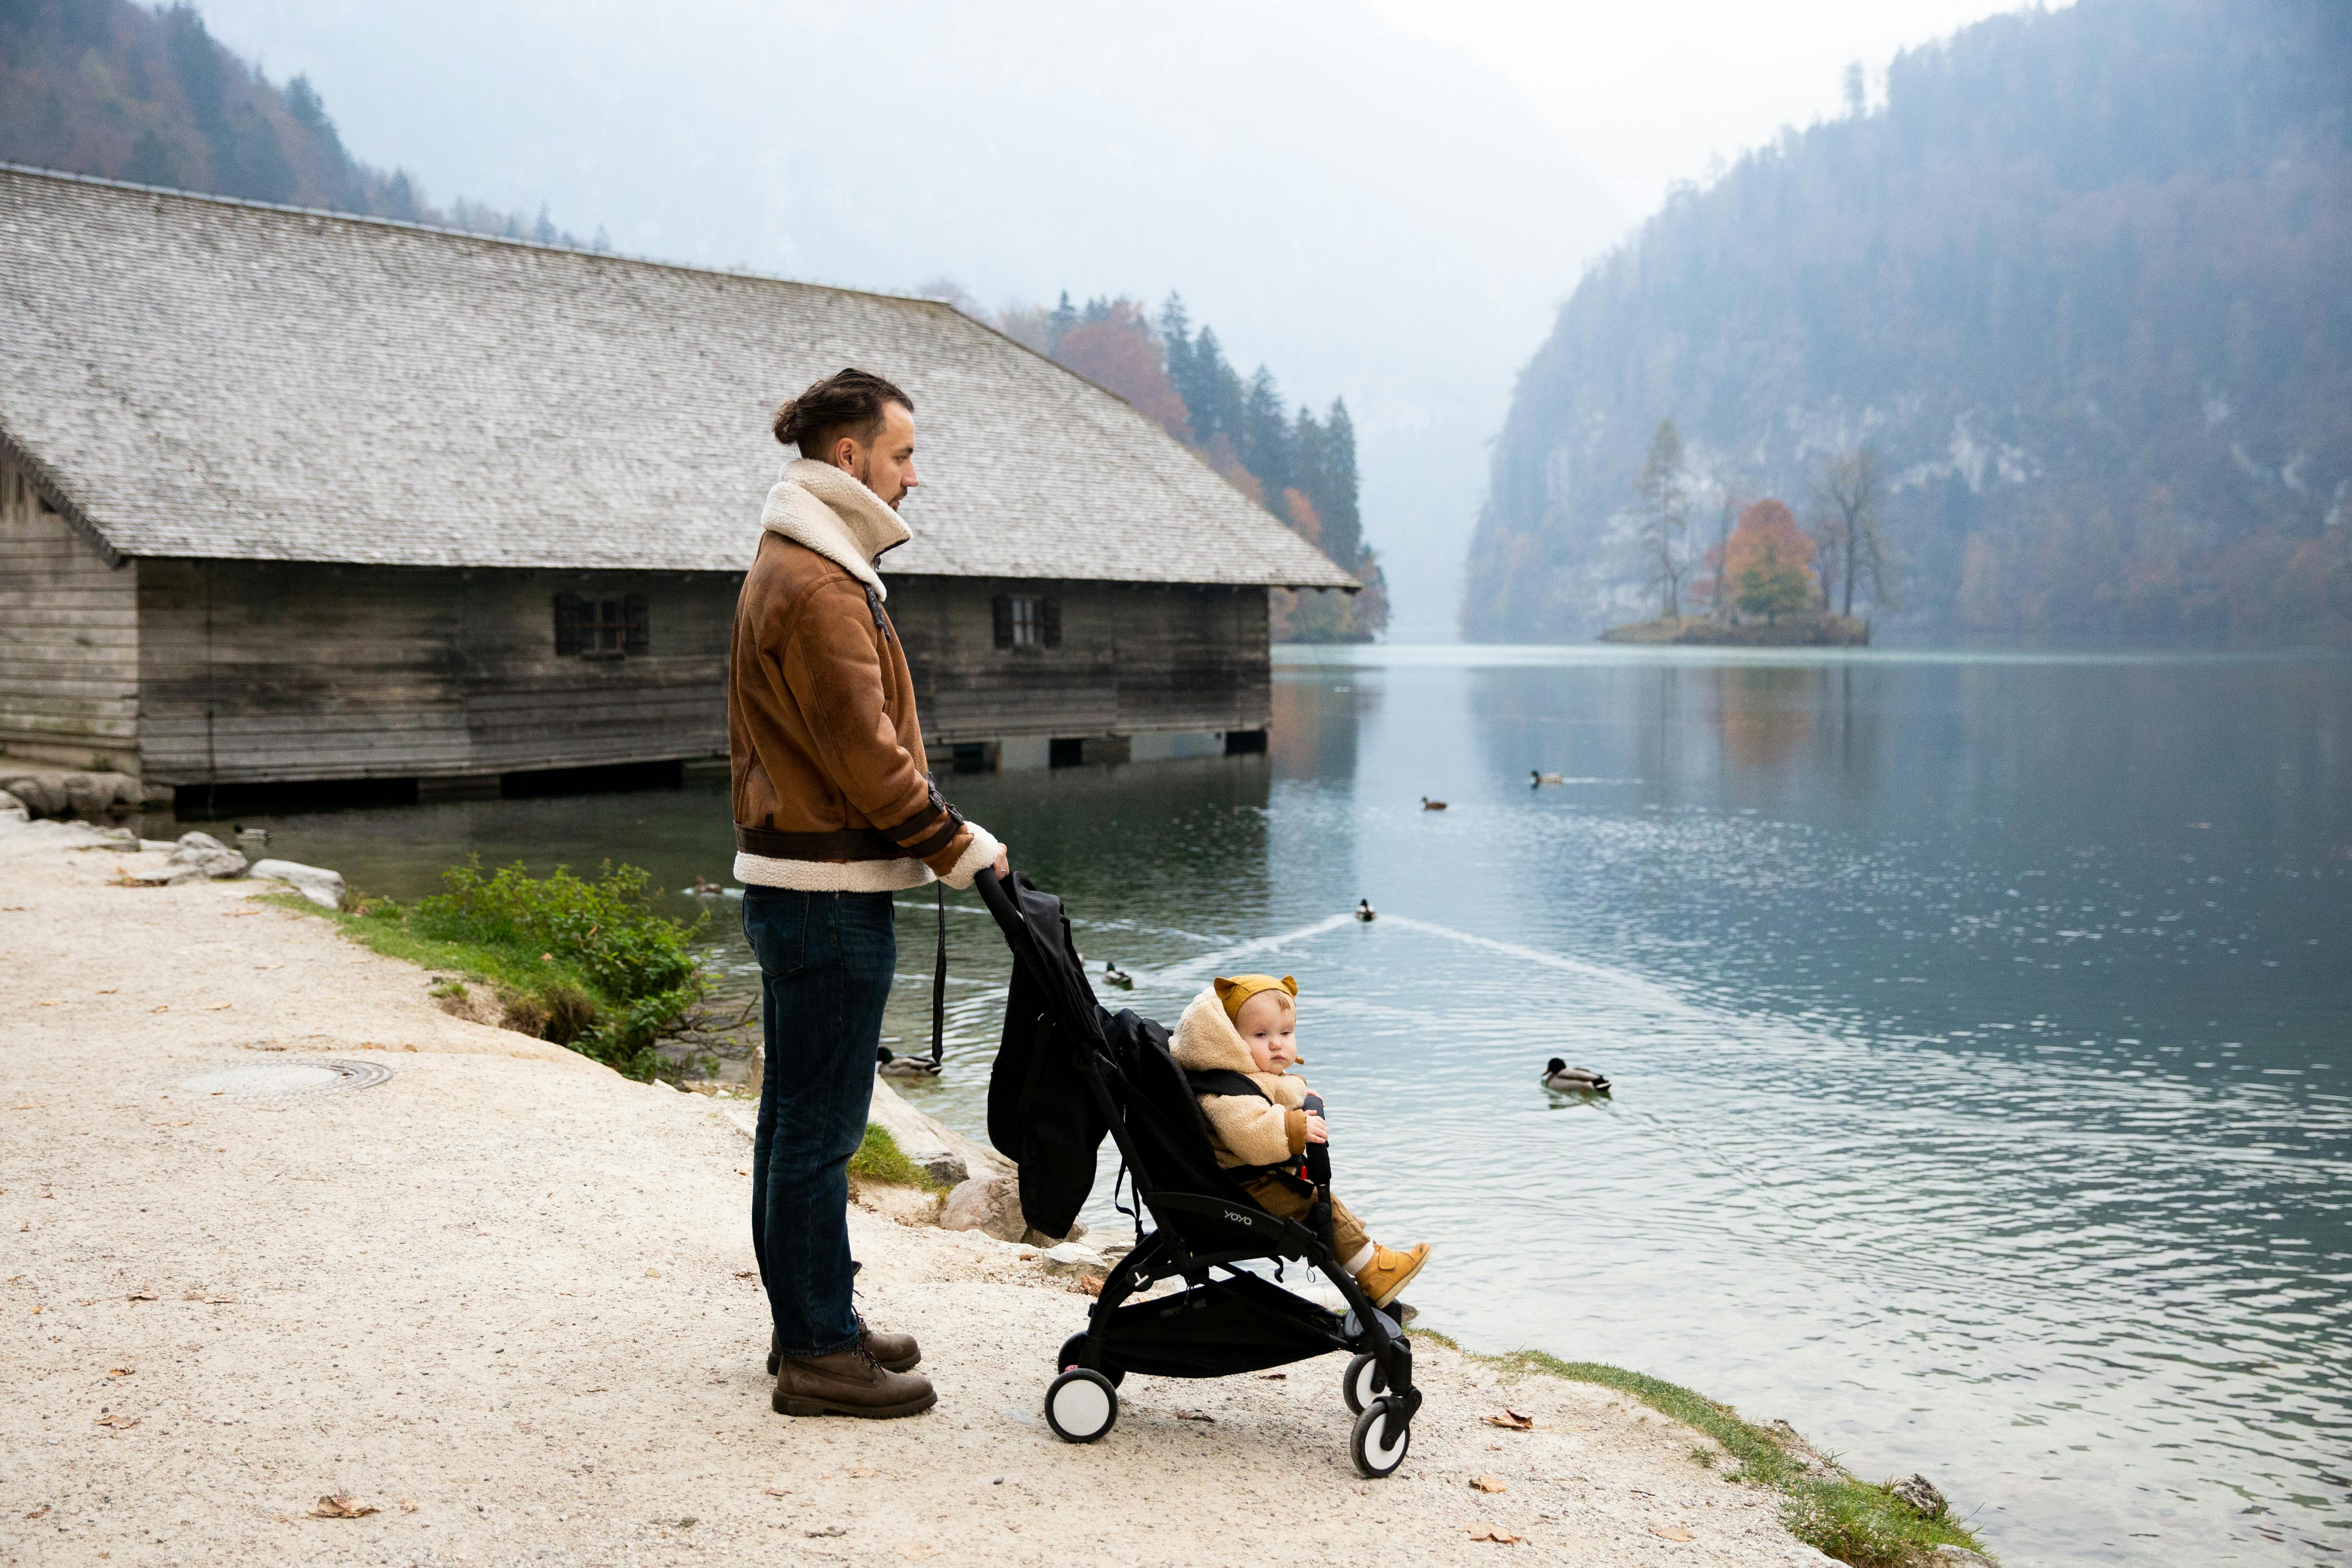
{"x":1765,"y":714}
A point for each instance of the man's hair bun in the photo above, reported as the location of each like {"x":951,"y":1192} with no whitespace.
{"x":847,"y":403}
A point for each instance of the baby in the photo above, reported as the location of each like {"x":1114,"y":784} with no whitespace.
{"x":1248,"y":1024}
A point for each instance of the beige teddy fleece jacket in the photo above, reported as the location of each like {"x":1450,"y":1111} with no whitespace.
{"x":1246,"y":1131}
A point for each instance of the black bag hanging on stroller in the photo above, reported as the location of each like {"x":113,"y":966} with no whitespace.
{"x":1067,"y":1071}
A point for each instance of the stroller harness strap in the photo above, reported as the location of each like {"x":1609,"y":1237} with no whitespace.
{"x":1225,"y":1081}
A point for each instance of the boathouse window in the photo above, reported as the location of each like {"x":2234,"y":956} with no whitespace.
{"x":602,"y":628}
{"x":1028,"y":620}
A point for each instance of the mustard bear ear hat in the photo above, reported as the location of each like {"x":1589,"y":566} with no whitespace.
{"x":1235,"y":992}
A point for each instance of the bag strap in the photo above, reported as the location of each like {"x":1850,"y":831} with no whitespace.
{"x":940,"y":981}
{"x":1224,"y":1081}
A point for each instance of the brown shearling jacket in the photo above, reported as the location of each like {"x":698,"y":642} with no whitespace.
{"x":827,"y":746}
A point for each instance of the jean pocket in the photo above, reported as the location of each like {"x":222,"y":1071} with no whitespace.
{"x":776,"y":924}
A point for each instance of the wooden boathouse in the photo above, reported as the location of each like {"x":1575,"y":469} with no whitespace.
{"x":293,"y":496}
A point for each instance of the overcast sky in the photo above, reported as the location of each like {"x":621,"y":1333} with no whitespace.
{"x":1381,"y":199}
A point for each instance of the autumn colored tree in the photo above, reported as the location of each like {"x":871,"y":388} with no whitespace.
{"x":1768,"y":563}
{"x":1119,"y":353}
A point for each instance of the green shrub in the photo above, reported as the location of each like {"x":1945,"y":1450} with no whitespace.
{"x":591,"y":965}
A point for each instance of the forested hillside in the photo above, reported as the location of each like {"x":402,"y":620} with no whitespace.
{"x":1299,"y":467}
{"x":109,"y":88}
{"x":2079,"y":289}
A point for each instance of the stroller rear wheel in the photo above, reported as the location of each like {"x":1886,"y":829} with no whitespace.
{"x":1081,"y":1404}
{"x":1382,"y":1436}
{"x":1363,"y":1383}
{"x":1069,"y":1358}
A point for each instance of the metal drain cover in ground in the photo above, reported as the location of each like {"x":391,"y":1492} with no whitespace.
{"x":275,"y":1082}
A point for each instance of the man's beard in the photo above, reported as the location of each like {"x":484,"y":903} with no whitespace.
{"x":865,"y":478}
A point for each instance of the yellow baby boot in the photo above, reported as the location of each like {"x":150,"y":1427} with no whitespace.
{"x":1390,"y":1271}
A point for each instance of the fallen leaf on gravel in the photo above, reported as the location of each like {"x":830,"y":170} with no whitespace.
{"x":863,"y":1471}
{"x":38,"y":1512}
{"x":820,"y":1534}
{"x":1488,"y":1484}
{"x":772,"y":1491}
{"x":408,"y":1505}
{"x":118,"y":1372}
{"x":652,"y":1273}
{"x":915,"y":1550}
{"x":121,"y":1423}
{"x":1090,"y":1285}
{"x":162,"y":1008}
{"x":1194,"y":1415}
{"x":1488,"y":1532}
{"x":746,"y":1274}
{"x":1272,"y":1377}
{"x":1510,"y":1421}
{"x":1670,"y":1532}
{"x":340,"y":1505}
{"x":50,"y":1002}
{"x":141,"y":1296}
{"x":31,"y":1105}
{"x":218,"y":1006}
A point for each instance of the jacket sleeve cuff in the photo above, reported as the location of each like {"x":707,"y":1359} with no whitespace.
{"x":982,"y":850}
{"x":1293,"y":1127}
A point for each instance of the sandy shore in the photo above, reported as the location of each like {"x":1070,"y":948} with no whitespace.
{"x":501,"y":1298}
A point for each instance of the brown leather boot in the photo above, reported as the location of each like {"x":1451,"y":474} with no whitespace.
{"x":847,"y":1383}
{"x":896,"y":1353}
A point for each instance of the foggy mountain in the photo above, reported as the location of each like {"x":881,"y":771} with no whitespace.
{"x":2080,"y":284}
{"x":1374,"y":219}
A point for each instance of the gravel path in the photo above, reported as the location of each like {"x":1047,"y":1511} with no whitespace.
{"x":500,"y":1298}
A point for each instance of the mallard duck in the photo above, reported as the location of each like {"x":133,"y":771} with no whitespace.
{"x":1543,"y":779}
{"x":253,"y":836}
{"x":1118,"y":976}
{"x":1364,"y":910}
{"x":704,"y":888}
{"x":1429,"y":805}
{"x":893,"y":1065}
{"x":1559,"y":1075}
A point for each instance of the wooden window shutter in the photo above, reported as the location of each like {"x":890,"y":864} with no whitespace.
{"x":1003,"y":608}
{"x":1049,"y":622}
{"x":636,"y":619}
{"x":569,"y":613}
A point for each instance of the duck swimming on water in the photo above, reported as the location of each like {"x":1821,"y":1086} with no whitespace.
{"x":1559,"y":1075}
{"x":1364,"y":910}
{"x":1118,"y":976}
{"x":1543,"y":779}
{"x":890,"y":1065}
{"x":1429,"y":805}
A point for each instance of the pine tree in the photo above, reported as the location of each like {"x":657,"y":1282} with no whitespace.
{"x":1058,"y":324}
{"x":1664,"y":517}
{"x":1343,"y":523}
{"x":1270,"y":448}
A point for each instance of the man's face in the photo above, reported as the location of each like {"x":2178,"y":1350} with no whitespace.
{"x":887,"y":467}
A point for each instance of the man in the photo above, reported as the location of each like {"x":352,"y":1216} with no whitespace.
{"x":834,"y":813}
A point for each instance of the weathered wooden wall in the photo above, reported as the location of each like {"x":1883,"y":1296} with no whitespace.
{"x":69,"y":640}
{"x":254,"y":671}
{"x":1135,"y":658}
{"x":257,"y":671}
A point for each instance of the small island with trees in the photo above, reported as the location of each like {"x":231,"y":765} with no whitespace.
{"x":1766,"y":581}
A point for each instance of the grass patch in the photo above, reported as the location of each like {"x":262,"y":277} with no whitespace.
{"x":1827,"y":1508}
{"x":880,"y":1160}
{"x":591,"y":965}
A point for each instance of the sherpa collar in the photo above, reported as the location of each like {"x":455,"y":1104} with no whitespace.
{"x":1205,"y":1039}
{"x":822,"y":507}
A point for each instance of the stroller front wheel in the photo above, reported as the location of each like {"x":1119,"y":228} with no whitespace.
{"x":1081,"y":1404}
{"x":1362,"y":1384}
{"x":1382,"y":1436}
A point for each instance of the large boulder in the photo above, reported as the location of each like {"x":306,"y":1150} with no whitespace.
{"x":12,"y":809}
{"x":41,"y":796}
{"x":89,"y":794}
{"x":316,"y":883}
{"x":990,"y":1205}
{"x":213,"y":857}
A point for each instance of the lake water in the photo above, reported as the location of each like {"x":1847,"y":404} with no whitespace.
{"x":1977,"y":1025}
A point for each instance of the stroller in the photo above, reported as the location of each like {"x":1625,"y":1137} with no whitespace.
{"x":1068,"y":1070}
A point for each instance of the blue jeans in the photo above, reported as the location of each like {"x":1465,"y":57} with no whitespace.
{"x":826,"y":965}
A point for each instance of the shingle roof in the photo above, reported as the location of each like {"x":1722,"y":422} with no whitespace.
{"x":205,"y":378}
